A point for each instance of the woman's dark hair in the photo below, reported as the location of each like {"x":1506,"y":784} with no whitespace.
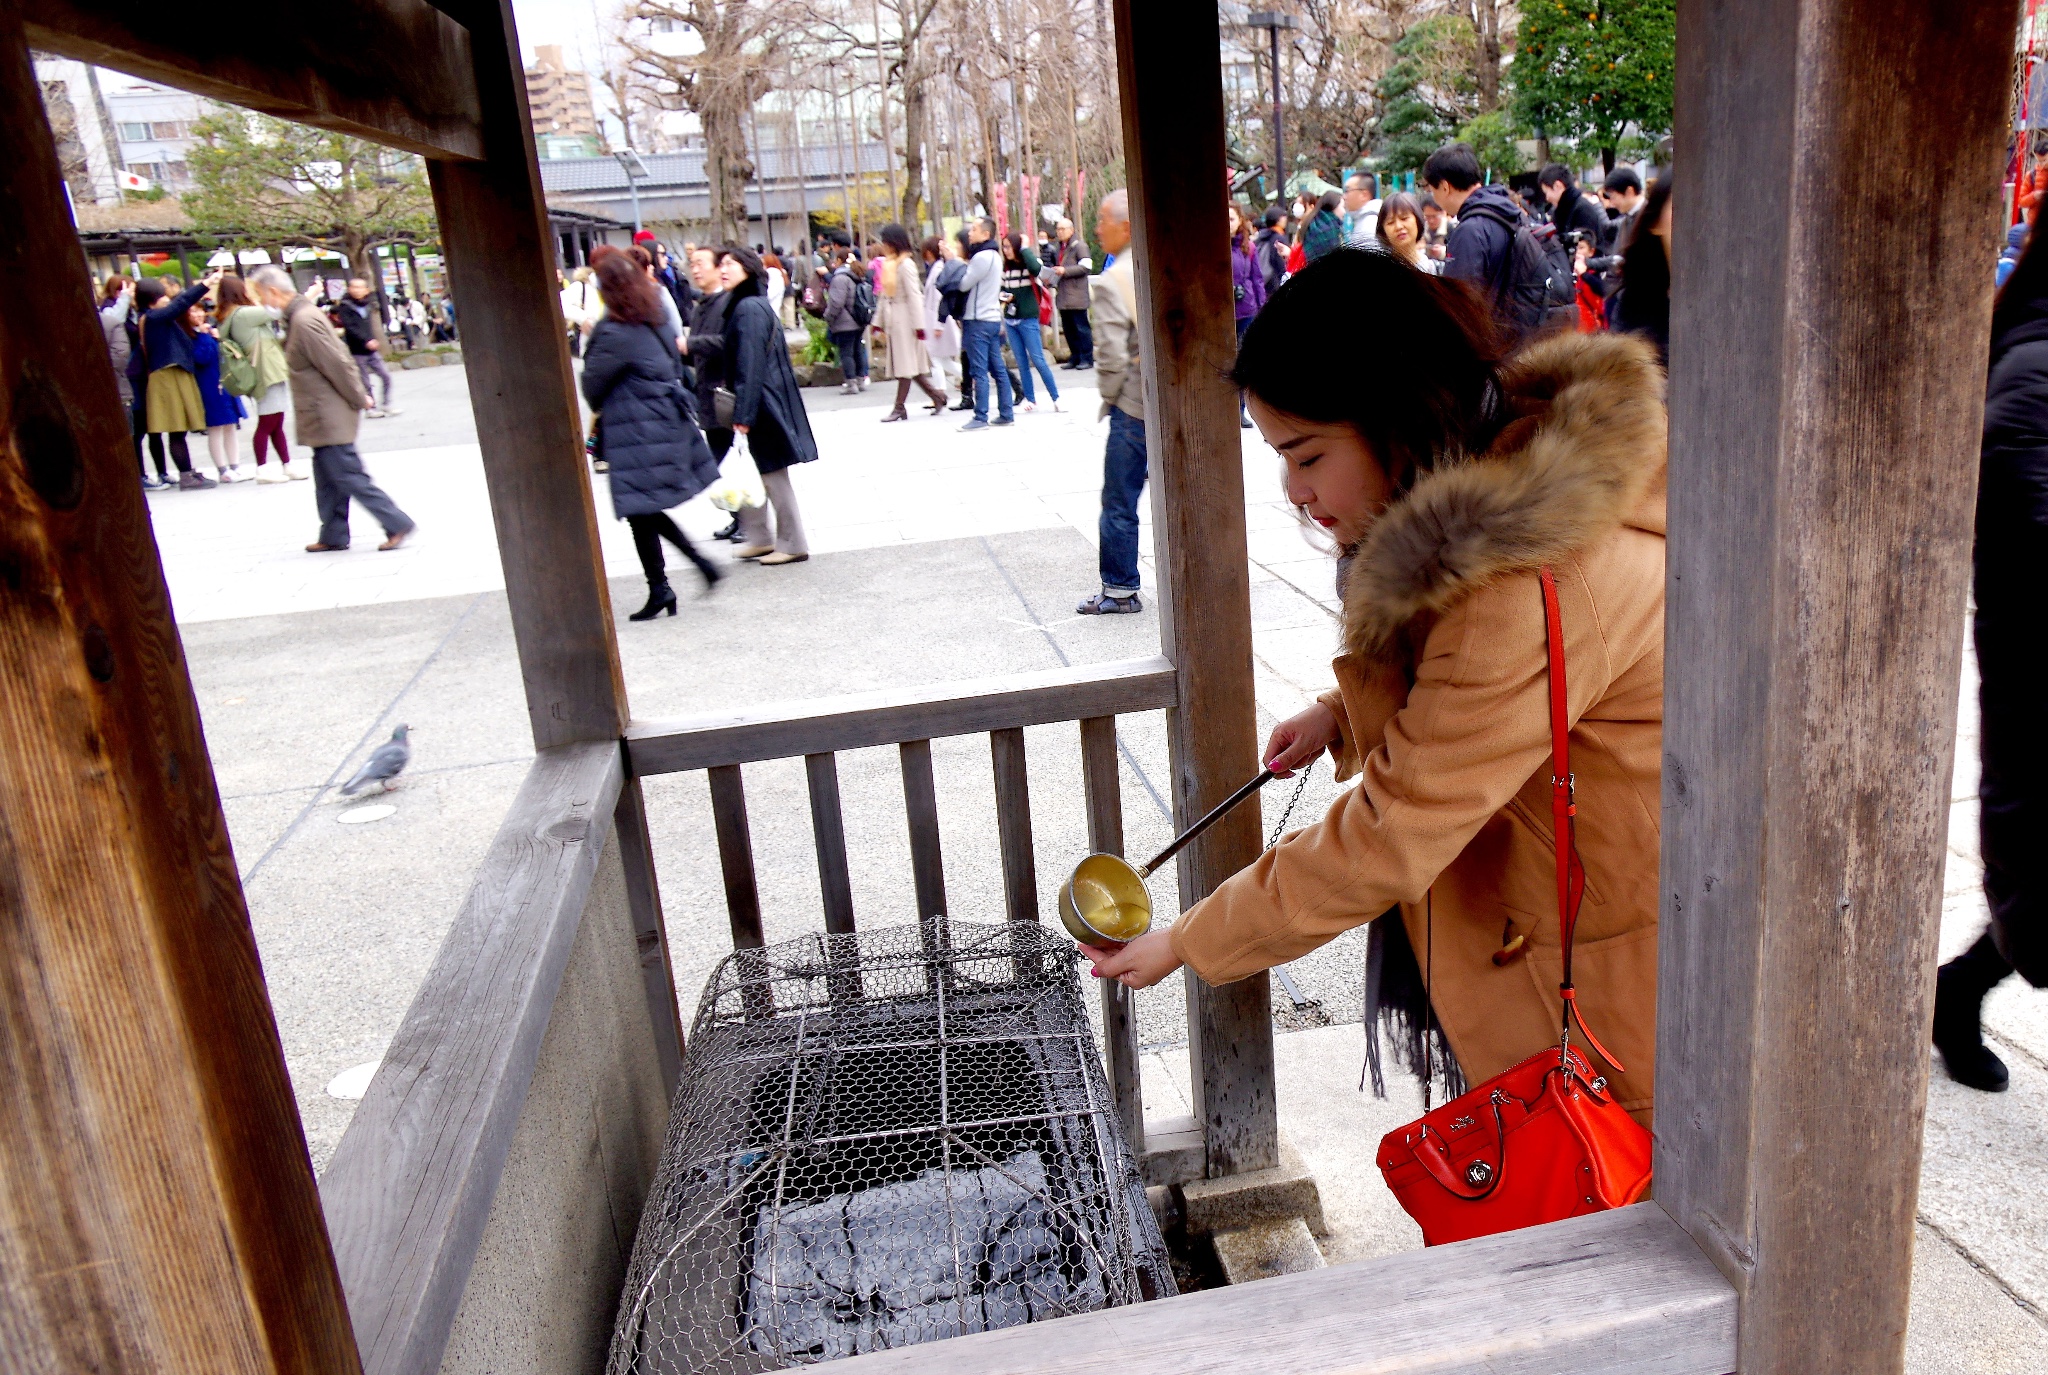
{"x":932,"y":248}
{"x":148,"y":291}
{"x":1331,"y":202}
{"x":2024,"y":296}
{"x":966,"y":244}
{"x":1400,"y":203}
{"x":627,"y":293}
{"x":1423,"y":393}
{"x":1646,"y":270}
{"x":640,"y":256}
{"x":1015,"y":243}
{"x":897,"y":237}
{"x":755,"y":282}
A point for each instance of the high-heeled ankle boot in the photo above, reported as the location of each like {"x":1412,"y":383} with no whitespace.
{"x":660,"y":597}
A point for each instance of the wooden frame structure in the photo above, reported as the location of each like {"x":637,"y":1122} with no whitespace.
{"x":157,"y":1209}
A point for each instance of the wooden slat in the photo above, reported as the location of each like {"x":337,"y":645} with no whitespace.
{"x":157,"y":1209}
{"x":860,"y":720}
{"x":1620,"y":1293}
{"x":643,"y":897}
{"x":413,"y":1178}
{"x":736,"y":857}
{"x":1013,"y":824}
{"x":1103,"y":783}
{"x":828,"y":828}
{"x":1170,"y":79}
{"x":396,"y":71}
{"x":1822,"y":477}
{"x":921,"y":805}
{"x":501,"y":265}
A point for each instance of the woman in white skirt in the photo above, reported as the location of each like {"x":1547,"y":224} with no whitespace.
{"x":941,"y":340}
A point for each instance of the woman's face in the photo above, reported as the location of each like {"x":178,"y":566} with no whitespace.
{"x":1402,"y":231}
{"x":730,"y":273}
{"x":1236,"y":222}
{"x":1331,"y":471}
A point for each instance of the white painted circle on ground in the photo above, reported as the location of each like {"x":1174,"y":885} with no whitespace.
{"x":352,"y":1083}
{"x":375,"y":811}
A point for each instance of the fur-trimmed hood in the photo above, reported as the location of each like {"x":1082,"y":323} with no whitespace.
{"x":1583,"y":453}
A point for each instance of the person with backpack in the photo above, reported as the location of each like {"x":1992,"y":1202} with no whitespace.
{"x":849,"y":308}
{"x":172,"y":407}
{"x":1272,"y":248}
{"x":1493,"y":247}
{"x":253,"y":365}
{"x":952,"y":307}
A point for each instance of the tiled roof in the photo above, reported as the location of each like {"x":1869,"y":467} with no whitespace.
{"x":668,"y":171}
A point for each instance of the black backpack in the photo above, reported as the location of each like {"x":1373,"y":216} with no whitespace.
{"x":862,"y":306}
{"x":1535,"y":278}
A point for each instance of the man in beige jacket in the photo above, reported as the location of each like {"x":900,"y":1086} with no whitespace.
{"x":327,"y":405}
{"x":1120,"y":374}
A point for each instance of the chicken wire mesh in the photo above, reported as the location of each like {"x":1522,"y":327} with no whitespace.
{"x":883,"y":1139}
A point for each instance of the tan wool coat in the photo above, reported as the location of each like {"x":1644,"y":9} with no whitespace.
{"x":899,"y":310}
{"x":327,"y":391}
{"x":1443,"y":700}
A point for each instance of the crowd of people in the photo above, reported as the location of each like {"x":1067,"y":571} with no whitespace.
{"x":195,"y":359}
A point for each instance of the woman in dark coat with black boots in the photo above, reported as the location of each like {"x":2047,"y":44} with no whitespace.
{"x":646,"y":431}
{"x":768,"y":409}
{"x":2011,"y":571}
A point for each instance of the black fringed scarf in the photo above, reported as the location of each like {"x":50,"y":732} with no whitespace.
{"x":1397,"y":1007}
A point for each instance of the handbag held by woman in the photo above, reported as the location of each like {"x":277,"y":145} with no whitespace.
{"x":1546,"y":1140}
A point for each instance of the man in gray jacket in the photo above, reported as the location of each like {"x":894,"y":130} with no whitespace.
{"x":1069,"y":264}
{"x":981,"y":328}
{"x":1120,"y":374}
{"x":328,"y":401}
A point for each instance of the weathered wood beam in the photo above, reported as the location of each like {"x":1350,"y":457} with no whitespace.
{"x":1619,"y":1293}
{"x":396,"y":71}
{"x":157,"y":1205}
{"x":1822,"y":474}
{"x":860,"y":720}
{"x":1170,"y":76}
{"x":412,"y":1181}
{"x":501,"y":265}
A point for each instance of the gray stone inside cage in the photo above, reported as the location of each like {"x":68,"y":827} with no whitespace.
{"x":883,"y":1139}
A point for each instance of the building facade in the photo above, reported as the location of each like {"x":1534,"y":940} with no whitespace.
{"x":153,"y":129}
{"x":558,"y":100}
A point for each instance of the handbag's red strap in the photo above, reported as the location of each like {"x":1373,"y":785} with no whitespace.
{"x":1564,"y":810}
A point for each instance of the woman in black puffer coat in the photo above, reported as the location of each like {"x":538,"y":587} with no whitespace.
{"x":645,"y":429}
{"x":2011,"y":569}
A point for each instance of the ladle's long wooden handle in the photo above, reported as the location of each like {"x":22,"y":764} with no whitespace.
{"x":1179,"y":841}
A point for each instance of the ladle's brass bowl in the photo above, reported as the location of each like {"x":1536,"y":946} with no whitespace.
{"x":1104,"y":900}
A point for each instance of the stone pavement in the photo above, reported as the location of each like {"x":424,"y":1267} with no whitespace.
{"x":938,"y":556}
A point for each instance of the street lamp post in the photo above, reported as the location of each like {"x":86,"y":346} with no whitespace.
{"x":1273,"y":22}
{"x":636,"y":171}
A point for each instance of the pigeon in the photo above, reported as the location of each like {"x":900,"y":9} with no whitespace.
{"x":383,"y":766}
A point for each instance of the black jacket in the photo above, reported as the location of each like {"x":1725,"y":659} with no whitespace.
{"x":646,"y":430}
{"x":1577,"y":210}
{"x":359,"y":325}
{"x":2011,"y":575}
{"x":707,"y":351}
{"x":765,"y":392}
{"x":1271,"y":252}
{"x":1478,"y":248}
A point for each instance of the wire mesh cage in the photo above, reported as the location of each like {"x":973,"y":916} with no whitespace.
{"x":883,"y":1139}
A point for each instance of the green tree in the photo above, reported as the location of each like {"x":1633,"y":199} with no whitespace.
{"x":269,"y":182}
{"x":1492,"y":137}
{"x":1587,"y":69}
{"x":1428,"y":92}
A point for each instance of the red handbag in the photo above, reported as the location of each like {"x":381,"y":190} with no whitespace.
{"x":1545,"y":1140}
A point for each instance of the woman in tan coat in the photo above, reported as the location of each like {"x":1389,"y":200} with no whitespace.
{"x":1446,"y":478}
{"x":899,"y":314}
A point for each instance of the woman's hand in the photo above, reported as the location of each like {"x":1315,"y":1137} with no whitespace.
{"x":1135,"y":964}
{"x":1300,"y":738}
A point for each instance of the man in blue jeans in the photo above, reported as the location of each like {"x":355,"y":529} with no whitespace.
{"x":1120,"y":373}
{"x":981,"y":327}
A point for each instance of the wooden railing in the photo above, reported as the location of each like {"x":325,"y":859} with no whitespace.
{"x":1091,"y":695}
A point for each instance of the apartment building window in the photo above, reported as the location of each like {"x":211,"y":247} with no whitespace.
{"x":135,"y":133}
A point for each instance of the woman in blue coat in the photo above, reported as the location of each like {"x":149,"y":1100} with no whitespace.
{"x":768,"y":409}
{"x":223,"y":412}
{"x":646,"y":431}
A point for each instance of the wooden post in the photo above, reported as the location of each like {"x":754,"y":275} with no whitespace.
{"x":1822,"y":470}
{"x":157,"y":1204}
{"x":1169,"y":69}
{"x":500,"y":263}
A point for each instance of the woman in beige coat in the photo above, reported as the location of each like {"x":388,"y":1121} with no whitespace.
{"x":1447,"y":478}
{"x":899,"y":314}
